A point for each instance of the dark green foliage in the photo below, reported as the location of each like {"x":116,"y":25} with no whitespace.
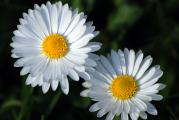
{"x":149,"y":25}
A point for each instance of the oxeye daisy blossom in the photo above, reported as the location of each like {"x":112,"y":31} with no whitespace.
{"x":51,"y":43}
{"x":123,"y":85}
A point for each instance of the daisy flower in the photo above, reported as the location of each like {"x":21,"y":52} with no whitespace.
{"x":123,"y":85}
{"x":53,"y":42}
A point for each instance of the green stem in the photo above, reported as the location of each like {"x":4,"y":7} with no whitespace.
{"x":53,"y":103}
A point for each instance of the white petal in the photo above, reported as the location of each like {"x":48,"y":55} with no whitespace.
{"x":122,"y":61}
{"x":67,"y":19}
{"x":108,"y":66}
{"x":138,"y":60}
{"x":21,"y":62}
{"x":22,"y":21}
{"x":124,"y":116}
{"x":45,"y":21}
{"x":54,"y":84}
{"x":24,"y":41}
{"x":41,"y":21}
{"x":35,"y":81}
{"x":151,"y":88}
{"x":94,"y":46}
{"x":131,"y":61}
{"x":86,"y":84}
{"x":26,"y":51}
{"x":134,"y":116}
{"x":74,"y":75}
{"x":161,"y":86}
{"x":64,"y":85}
{"x":126,"y":107}
{"x":50,"y":71}
{"x":18,"y":33}
{"x":62,"y":21}
{"x":144,"y":97}
{"x":26,"y":31}
{"x":126,"y":56}
{"x":98,"y":97}
{"x":90,"y":29}
{"x":98,"y":83}
{"x":101,"y":95}
{"x":116,"y":62}
{"x":40,"y":80}
{"x":133,"y":107}
{"x":39,"y":67}
{"x":94,"y":56}
{"x":151,"y":109}
{"x":77,"y":31}
{"x":158,"y":72}
{"x":147,"y":76}
{"x":149,"y":91}
{"x":156,"y":97}
{"x":101,"y":69}
{"x":80,"y":68}
{"x":110,"y":116}
{"x":146,"y":63}
{"x":101,"y":77}
{"x":45,"y":87}
{"x":75,"y":20}
{"x":94,"y":108}
{"x":153,"y":80}
{"x":120,"y":109}
{"x":36,"y":6}
{"x":82,"y":41}
{"x":54,"y":19}
{"x":13,"y":55}
{"x":84,"y":75}
{"x":75,"y":59}
{"x":84,"y":93}
{"x":34,"y":26}
{"x":90,"y":62}
{"x":24,"y":71}
{"x":140,"y":104}
{"x":28,"y":80}
{"x":68,"y":62}
{"x":101,"y":113}
{"x":86,"y":37}
{"x":82,"y":50}
{"x":143,"y":115}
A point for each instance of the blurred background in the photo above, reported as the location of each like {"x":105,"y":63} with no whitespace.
{"x":149,"y":25}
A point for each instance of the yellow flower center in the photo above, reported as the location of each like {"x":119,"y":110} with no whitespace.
{"x":123,"y":87}
{"x":54,"y":46}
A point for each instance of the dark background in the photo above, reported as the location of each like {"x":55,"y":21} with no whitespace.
{"x":149,"y":25}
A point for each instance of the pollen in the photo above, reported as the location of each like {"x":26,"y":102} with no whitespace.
{"x":54,"y":46}
{"x":123,"y":87}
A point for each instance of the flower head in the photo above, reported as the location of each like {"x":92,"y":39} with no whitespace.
{"x":123,"y":85}
{"x":53,"y":42}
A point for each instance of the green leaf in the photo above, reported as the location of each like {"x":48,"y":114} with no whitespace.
{"x":11,"y":103}
{"x":89,"y":4}
{"x":168,"y":79}
{"x":81,"y":102}
{"x":53,"y":102}
{"x":42,"y":117}
{"x":119,"y":3}
{"x":27,"y":100}
{"x":125,"y":16}
{"x":77,"y":4}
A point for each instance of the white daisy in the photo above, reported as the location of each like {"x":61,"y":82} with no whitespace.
{"x":122,"y":85}
{"x":51,"y":43}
